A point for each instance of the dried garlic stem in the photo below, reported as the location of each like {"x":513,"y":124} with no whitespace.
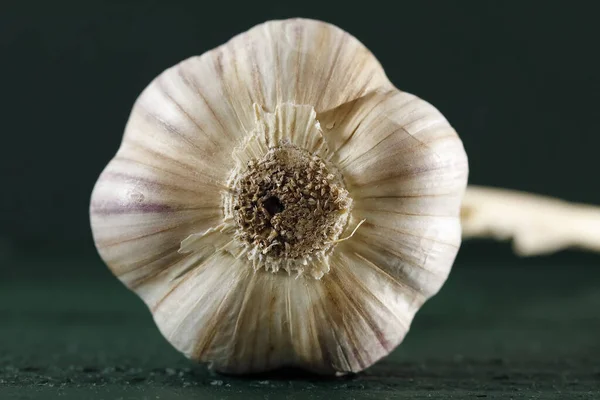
{"x":537,"y":224}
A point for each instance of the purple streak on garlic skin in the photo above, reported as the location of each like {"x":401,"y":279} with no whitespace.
{"x":108,"y":209}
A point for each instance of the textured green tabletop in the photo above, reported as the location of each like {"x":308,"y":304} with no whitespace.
{"x":68,"y":329}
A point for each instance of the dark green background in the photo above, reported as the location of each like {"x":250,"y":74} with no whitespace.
{"x":520,"y":82}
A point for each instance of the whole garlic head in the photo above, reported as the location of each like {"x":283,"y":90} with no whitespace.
{"x":278,"y":202}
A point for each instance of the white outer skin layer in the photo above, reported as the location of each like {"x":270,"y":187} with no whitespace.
{"x":403,"y":165}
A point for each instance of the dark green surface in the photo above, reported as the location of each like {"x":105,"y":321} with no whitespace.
{"x":72,"y":331}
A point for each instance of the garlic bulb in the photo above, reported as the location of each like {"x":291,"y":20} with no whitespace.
{"x":278,"y":202}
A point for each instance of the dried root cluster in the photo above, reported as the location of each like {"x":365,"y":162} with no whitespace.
{"x":289,"y":206}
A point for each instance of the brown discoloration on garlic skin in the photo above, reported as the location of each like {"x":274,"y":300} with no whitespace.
{"x":118,"y":241}
{"x":176,"y":169}
{"x":163,"y":218}
{"x":237,"y":332}
{"x":402,"y":286}
{"x":360,"y":312}
{"x":360,"y":308}
{"x":341,"y":318}
{"x":153,"y":273}
{"x":188,"y":81}
{"x":214,"y":144}
{"x":326,"y":341}
{"x":350,"y":325}
{"x":154,"y":307}
{"x":168,"y":253}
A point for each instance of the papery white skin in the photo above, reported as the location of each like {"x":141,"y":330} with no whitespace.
{"x":401,"y":161}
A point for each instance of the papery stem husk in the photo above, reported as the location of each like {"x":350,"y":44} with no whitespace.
{"x":536,"y":224}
